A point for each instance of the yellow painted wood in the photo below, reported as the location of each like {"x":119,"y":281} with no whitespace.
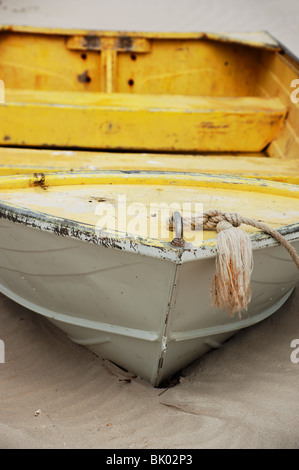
{"x":174,"y":64}
{"x":75,"y":65}
{"x":108,"y":70}
{"x":254,"y":38}
{"x":45,"y":63}
{"x":84,"y":196}
{"x":21,"y":160}
{"x":167,"y":123}
{"x":97,"y":43}
{"x":200,"y":180}
{"x":277,"y":72}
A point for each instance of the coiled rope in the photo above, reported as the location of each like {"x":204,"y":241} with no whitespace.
{"x":230,"y":289}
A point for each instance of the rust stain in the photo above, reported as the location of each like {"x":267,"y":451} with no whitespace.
{"x":179,"y":242}
{"x":100,"y":199}
{"x":211,"y":125}
{"x":92,"y":42}
{"x":110,"y":127}
{"x":125,"y":42}
{"x":84,"y":77}
{"x":39,"y":180}
{"x":231,"y":268}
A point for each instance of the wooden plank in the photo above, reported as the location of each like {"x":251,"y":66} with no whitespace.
{"x":253,"y":38}
{"x":147,"y":122}
{"x":21,"y":160}
{"x":275,"y":78}
{"x":97,"y":43}
{"x":181,"y":66}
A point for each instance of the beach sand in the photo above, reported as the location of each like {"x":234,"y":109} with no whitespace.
{"x":56,"y":394}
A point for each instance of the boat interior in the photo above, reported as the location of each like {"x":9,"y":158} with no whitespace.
{"x":201,"y":102}
{"x":139,"y":205}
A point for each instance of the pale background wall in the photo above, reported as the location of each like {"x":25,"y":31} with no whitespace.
{"x":279,"y":17}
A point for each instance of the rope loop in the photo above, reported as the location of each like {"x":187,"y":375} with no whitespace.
{"x":234,"y":259}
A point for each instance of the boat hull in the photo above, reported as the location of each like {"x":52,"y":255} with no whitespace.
{"x":151,"y":316}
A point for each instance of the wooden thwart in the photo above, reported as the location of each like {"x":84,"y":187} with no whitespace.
{"x":141,"y":122}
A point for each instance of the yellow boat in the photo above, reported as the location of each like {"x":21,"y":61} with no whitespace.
{"x":90,"y":252}
{"x":95,"y":100}
{"x":104,"y":137}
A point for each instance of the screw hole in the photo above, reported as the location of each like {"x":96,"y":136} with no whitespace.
{"x":84,"y":56}
{"x":131,"y":82}
{"x":88,"y":79}
{"x":133,"y":57}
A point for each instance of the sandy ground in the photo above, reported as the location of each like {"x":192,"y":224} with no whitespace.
{"x":55,"y":394}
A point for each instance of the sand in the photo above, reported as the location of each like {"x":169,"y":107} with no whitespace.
{"x":55,"y":394}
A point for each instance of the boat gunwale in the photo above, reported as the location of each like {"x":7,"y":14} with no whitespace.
{"x":128,"y":242}
{"x":147,"y":177}
{"x":249,"y":38}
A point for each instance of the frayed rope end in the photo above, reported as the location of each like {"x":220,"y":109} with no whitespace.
{"x":230,"y":289}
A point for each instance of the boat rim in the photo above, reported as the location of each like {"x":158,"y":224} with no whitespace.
{"x":257,"y":38}
{"x":123,"y":241}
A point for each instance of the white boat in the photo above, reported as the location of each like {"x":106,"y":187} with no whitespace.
{"x":119,"y":287}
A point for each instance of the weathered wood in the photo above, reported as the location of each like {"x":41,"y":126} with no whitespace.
{"x":22,"y":160}
{"x":147,"y":122}
{"x":275,"y":79}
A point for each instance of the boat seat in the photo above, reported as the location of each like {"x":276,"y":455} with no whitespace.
{"x":159,"y":123}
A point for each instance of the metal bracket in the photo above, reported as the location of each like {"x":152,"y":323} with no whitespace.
{"x":177,"y":222}
{"x":118,"y":44}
